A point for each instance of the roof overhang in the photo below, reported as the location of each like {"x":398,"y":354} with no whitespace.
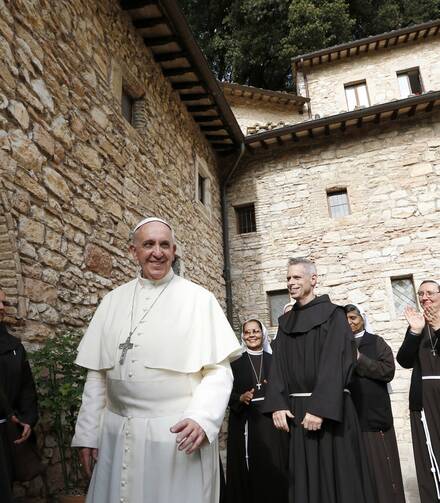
{"x":365,"y":45}
{"x":313,"y":130}
{"x":264,"y":96}
{"x":166,"y":33}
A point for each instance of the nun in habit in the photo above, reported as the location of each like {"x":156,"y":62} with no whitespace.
{"x":257,"y":452}
{"x":369,"y":388}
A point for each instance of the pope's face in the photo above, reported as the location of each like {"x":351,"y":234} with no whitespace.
{"x":252,"y":335}
{"x":429,"y":295}
{"x":154,"y":249}
{"x":2,"y":304}
{"x":300,"y":283}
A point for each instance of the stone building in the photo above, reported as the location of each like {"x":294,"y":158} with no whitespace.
{"x":353,"y":183}
{"x":109,"y":112}
{"x":105,"y":117}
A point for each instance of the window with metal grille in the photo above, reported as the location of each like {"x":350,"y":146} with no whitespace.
{"x":338,"y":203}
{"x":357,"y":95}
{"x":404,"y":293}
{"x":246,"y":218}
{"x":127,"y":104}
{"x":409,"y":82}
{"x":277,"y":300}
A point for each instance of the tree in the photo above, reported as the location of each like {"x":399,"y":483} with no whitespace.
{"x":252,"y":41}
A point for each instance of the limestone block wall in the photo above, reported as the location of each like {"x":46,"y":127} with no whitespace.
{"x":76,"y":175}
{"x":326,"y":81}
{"x":249,"y":112}
{"x":392,"y":176}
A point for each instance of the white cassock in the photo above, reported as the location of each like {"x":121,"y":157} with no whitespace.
{"x":178,"y":368}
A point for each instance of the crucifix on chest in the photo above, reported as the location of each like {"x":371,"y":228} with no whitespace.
{"x":125,"y":346}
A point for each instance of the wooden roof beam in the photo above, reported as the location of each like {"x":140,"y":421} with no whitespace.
{"x":170,"y":56}
{"x":136,"y":4}
{"x":218,"y":127}
{"x":377,"y":118}
{"x":327,"y":130}
{"x":280,"y":141}
{"x":430,"y":106}
{"x":178,"y":86}
{"x":264,"y":144}
{"x":206,"y":118}
{"x":343,"y":126}
{"x":216,"y":137}
{"x":201,"y":108}
{"x":194,"y":96}
{"x":158,"y":41}
{"x":294,"y":137}
{"x":412,"y":111}
{"x":149,"y":22}
{"x":394,"y":115}
{"x":177,"y":72}
{"x":359,"y":122}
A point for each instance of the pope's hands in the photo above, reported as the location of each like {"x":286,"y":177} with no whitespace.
{"x":311,"y":422}
{"x":279,"y":419}
{"x":416,"y":320}
{"x":190,"y":435}
{"x":247,"y":396}
{"x":88,"y":458}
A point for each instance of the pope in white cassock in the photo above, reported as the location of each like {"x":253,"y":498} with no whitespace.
{"x":159,"y":380}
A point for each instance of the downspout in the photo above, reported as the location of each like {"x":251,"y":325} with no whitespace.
{"x":226,"y":249}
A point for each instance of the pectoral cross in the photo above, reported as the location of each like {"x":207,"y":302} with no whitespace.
{"x":259,"y":385}
{"x":434,"y":352}
{"x":125,"y":346}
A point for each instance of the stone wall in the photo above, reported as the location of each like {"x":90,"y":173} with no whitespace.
{"x":378,"y":68}
{"x":76,"y":176}
{"x":250,"y":112}
{"x":392,"y":175}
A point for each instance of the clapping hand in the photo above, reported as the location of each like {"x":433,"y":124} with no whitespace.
{"x":415,"y":320}
{"x":432,"y":317}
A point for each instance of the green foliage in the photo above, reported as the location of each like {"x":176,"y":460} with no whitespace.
{"x":59,"y":385}
{"x":252,"y":41}
{"x":315,"y":24}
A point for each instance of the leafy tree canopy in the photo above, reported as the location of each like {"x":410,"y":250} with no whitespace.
{"x":252,"y":41}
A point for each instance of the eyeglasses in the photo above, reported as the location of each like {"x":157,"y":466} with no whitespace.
{"x":253,"y":331}
{"x":427,"y":294}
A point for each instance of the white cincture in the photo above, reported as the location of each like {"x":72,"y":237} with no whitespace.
{"x":3,"y":421}
{"x":310,"y":394}
{"x":434,"y":465}
{"x":430,"y":377}
{"x":246,"y":436}
{"x":257,"y":399}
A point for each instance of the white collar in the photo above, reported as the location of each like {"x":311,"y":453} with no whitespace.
{"x":255,"y":353}
{"x":359,"y":334}
{"x":151,"y":283}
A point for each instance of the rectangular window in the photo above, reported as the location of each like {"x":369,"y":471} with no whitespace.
{"x":277,"y":300}
{"x":127,"y":104}
{"x":404,"y":293}
{"x":357,"y":95}
{"x":409,"y":83}
{"x":338,"y":203}
{"x":246,"y":219}
{"x":201,"y":189}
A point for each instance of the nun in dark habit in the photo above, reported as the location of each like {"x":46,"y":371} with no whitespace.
{"x":257,"y":453}
{"x":373,"y":371}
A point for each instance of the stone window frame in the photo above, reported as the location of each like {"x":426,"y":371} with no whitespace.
{"x":178,"y":262}
{"x":331,"y":191}
{"x":407,"y":72}
{"x":253,"y":224}
{"x":201,"y":172}
{"x":272,"y":294}
{"x":124,"y":83}
{"x":396,"y":314}
{"x":356,"y":85}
